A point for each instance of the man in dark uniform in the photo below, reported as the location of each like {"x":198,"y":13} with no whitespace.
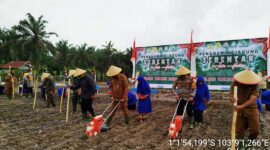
{"x":88,"y":91}
{"x":49,"y":89}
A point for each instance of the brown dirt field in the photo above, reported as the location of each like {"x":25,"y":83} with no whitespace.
{"x":21,"y":127}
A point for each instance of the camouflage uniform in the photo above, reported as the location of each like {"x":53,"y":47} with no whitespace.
{"x":185,"y":88}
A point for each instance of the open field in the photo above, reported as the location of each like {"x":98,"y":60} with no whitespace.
{"x":21,"y":127}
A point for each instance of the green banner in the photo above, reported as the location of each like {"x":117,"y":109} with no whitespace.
{"x":158,"y":64}
{"x":218,"y":61}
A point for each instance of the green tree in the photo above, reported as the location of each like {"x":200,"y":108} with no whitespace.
{"x":62,"y":55}
{"x":8,"y":45}
{"x":83,"y":57}
{"x":34,"y":38}
{"x":109,"y":50}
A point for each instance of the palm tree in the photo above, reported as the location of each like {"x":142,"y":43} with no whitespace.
{"x":62,"y":55}
{"x":108,"y":47}
{"x":8,"y":46}
{"x":34,"y":38}
{"x":83,"y":56}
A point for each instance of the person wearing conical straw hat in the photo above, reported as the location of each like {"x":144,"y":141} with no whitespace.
{"x":119,"y":86}
{"x":184,"y":89}
{"x":8,"y":85}
{"x":49,"y":88}
{"x":247,"y":112}
{"x":75,"y":96}
{"x":30,"y":84}
{"x":24,"y":85}
{"x":88,"y":92}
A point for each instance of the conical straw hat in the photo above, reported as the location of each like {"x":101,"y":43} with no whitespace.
{"x":182,"y":71}
{"x":79,"y":72}
{"x":26,"y":74}
{"x":71,"y":72}
{"x":247,"y":77}
{"x":113,"y":70}
{"x":45,"y":75}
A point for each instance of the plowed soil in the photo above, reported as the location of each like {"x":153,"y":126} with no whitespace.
{"x":22,"y":127}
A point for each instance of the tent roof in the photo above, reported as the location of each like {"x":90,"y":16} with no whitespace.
{"x":14,"y":64}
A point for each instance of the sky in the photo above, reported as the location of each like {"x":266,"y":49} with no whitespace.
{"x":150,"y":22}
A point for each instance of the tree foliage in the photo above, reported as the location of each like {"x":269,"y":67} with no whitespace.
{"x":29,"y":40}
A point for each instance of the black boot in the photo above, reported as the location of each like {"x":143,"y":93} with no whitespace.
{"x":241,"y":145}
{"x":93,"y":114}
{"x":190,"y":122}
{"x":84,"y":116}
{"x":126,"y":121}
{"x":251,"y":137}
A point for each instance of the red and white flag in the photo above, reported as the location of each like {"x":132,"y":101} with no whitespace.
{"x":192,"y":57}
{"x":133,"y":59}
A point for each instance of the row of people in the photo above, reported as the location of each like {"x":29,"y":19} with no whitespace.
{"x":185,"y":90}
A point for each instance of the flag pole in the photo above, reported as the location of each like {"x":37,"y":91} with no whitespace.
{"x":133,"y":60}
{"x":192,"y":57}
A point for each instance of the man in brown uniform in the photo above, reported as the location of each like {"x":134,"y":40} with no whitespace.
{"x":49,"y":89}
{"x":184,"y":89}
{"x":119,"y":86}
{"x":247,"y":112}
{"x":9,"y":85}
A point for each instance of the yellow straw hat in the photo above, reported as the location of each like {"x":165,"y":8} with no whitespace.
{"x":247,"y":77}
{"x":182,"y":71}
{"x":26,"y":74}
{"x":79,"y":72}
{"x":71,"y":72}
{"x":113,"y":70}
{"x":45,"y":75}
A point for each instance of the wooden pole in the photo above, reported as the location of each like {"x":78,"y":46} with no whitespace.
{"x":18,"y":86}
{"x":35,"y":97}
{"x":12,"y":82}
{"x":234,"y":119}
{"x":68,"y":90}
